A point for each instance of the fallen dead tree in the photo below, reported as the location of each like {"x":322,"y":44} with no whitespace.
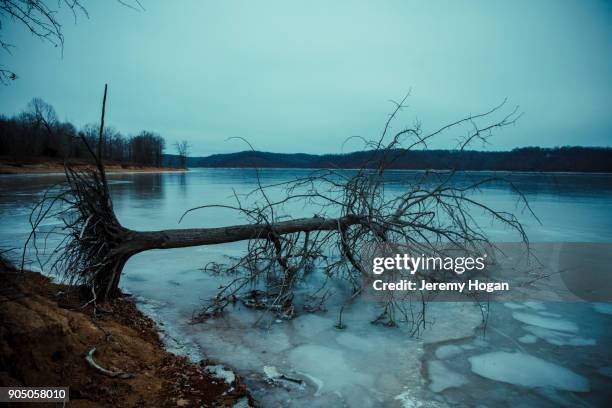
{"x":352,"y":211}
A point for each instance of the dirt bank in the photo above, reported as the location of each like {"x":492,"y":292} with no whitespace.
{"x":56,"y":166}
{"x":45,"y":335}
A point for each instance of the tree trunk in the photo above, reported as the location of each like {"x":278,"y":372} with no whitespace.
{"x":132,"y":242}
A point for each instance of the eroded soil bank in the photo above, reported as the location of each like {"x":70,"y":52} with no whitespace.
{"x":46,"y":334}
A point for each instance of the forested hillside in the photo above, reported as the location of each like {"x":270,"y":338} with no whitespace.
{"x":579,"y":159}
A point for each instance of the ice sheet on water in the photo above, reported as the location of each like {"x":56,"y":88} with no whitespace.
{"x":355,"y":342}
{"x":549,"y":314}
{"x":527,"y":370}
{"x":173,"y":340}
{"x":311,"y":325}
{"x":338,"y":365}
{"x":604,"y":308}
{"x":528,"y":339}
{"x":480,"y":342}
{"x":535,"y":305}
{"x":557,"y":398}
{"x":558,"y":338}
{"x":451,"y":321}
{"x":447,"y":351}
{"x":546,"y":322}
{"x":443,"y":378}
{"x":242,"y":403}
{"x":512,"y":305}
{"x":318,"y":383}
{"x":607,"y":371}
{"x":234,"y":354}
{"x":329,"y":366}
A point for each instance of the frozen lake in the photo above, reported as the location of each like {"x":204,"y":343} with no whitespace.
{"x":532,"y":354}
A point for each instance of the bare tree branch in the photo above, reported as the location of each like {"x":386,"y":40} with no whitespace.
{"x":41,"y":19}
{"x":352,"y":210}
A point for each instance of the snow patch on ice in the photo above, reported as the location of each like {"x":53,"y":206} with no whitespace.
{"x":527,"y":370}
{"x":271,"y":372}
{"x":546,"y":322}
{"x":442,"y":378}
{"x":220,"y":372}
{"x":409,"y":399}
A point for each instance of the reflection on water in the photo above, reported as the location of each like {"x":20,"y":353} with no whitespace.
{"x":365,"y":365}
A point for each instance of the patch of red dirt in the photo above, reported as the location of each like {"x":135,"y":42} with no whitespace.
{"x":45,"y":334}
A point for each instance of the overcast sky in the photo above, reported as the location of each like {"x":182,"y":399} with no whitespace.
{"x":302,"y":76}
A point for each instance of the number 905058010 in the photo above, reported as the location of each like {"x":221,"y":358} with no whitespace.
{"x":34,"y":394}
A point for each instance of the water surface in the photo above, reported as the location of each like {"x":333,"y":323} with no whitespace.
{"x":363,"y":365}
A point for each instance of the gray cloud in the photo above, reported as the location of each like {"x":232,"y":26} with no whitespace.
{"x":303,"y":75}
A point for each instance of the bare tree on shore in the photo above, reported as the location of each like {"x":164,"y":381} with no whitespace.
{"x":182,"y":149}
{"x":37,"y":134}
{"x":352,"y":211}
{"x":40,"y":113}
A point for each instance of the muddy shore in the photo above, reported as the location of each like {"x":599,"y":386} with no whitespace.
{"x":57,"y":166}
{"x":46,"y":334}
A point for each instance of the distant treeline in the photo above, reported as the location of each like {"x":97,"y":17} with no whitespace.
{"x":578,"y":159}
{"x":37,"y":133}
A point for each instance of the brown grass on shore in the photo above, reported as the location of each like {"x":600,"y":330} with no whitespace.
{"x":43,"y":165}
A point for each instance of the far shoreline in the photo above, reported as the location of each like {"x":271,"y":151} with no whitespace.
{"x":58,"y":168}
{"x":51,"y":167}
{"x":526,"y":172}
